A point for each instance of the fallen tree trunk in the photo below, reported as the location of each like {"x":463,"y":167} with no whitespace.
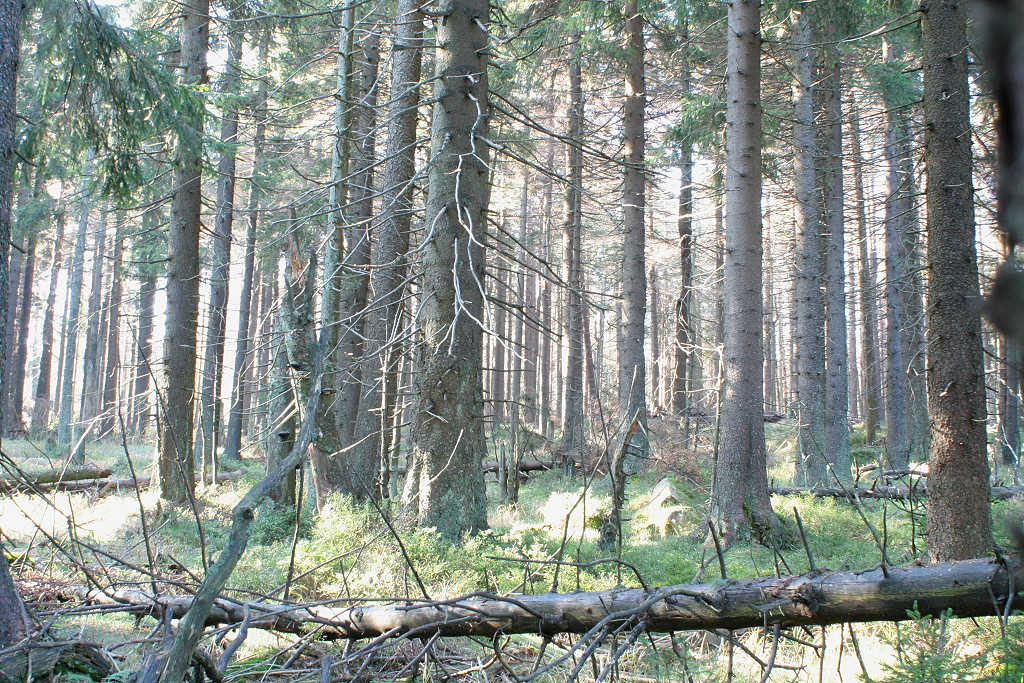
{"x":39,"y":659}
{"x":884,"y":492}
{"x":107,"y":484}
{"x":970,"y":589}
{"x":492,"y":466}
{"x":46,"y":477}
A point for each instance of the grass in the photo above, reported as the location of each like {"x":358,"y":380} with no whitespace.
{"x":348,"y":552}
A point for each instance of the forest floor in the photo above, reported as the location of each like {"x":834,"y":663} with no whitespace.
{"x":349,"y":553}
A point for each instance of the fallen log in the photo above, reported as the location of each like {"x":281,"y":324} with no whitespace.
{"x":107,"y":484}
{"x":57,"y":475}
{"x":492,"y":466}
{"x":40,"y":659}
{"x":884,"y":492}
{"x":970,"y":589}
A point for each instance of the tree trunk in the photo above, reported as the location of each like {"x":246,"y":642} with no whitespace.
{"x":111,"y":374}
{"x":684,"y":337}
{"x":281,"y":435}
{"x":868,"y":297}
{"x":13,"y":619}
{"x":655,"y":340}
{"x":143,"y":354}
{"x":739,"y":500}
{"x":897,"y":444}
{"x":1009,"y":418}
{"x":447,"y":420}
{"x":970,"y":589}
{"x":959,"y":514}
{"x":837,"y":409}
{"x":387,"y":278}
{"x":11,"y":420}
{"x":65,"y":438}
{"x":330,"y":467}
{"x":176,"y":466}
{"x":809,"y":305}
{"x":92,"y":360}
{"x":364,"y":468}
{"x":632,"y":364}
{"x":20,"y":356}
{"x":239,"y":387}
{"x":207,"y":436}
{"x":41,"y":404}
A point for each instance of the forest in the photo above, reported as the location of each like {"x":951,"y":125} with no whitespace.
{"x":567,"y":340}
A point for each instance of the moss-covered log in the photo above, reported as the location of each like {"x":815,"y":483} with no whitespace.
{"x":970,"y":589}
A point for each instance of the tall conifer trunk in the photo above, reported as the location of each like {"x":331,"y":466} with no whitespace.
{"x":632,"y":364}
{"x":175,"y":466}
{"x":208,"y":434}
{"x":240,"y":388}
{"x":837,"y":409}
{"x":739,"y":499}
{"x":872,"y":385}
{"x":447,"y":419}
{"x":387,"y":278}
{"x":959,"y":511}
{"x":112,"y":355}
{"x":41,"y":404}
{"x":69,"y":351}
{"x":808,"y":304}
{"x":573,"y":432}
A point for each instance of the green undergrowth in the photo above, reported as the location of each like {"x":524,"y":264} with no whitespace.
{"x":549,"y":540}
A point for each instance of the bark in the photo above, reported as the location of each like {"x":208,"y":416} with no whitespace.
{"x":970,"y":589}
{"x":11,"y":416}
{"x":837,"y":419}
{"x":1009,"y":418}
{"x":92,"y":360}
{"x":872,"y":386}
{"x":20,"y":356}
{"x":573,"y":428}
{"x":13,"y":618}
{"x":208,"y":434}
{"x":106,"y":485}
{"x":812,"y":463}
{"x":739,"y":500}
{"x":655,"y":340}
{"x":365,"y":469}
{"x":885,"y":492}
{"x":684,"y":333}
{"x":897,"y":444}
{"x":41,"y":404}
{"x":143,"y":354}
{"x":39,"y":660}
{"x":329,"y":466}
{"x":70,"y":344}
{"x":447,"y":417}
{"x":175,"y":465}
{"x":959,"y":516}
{"x":632,"y":364}
{"x":56,"y":475}
{"x":531,"y":332}
{"x":111,"y":375}
{"x":240,"y":387}
{"x":281,"y":435}
{"x":388,"y":277}
{"x":297,"y":285}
